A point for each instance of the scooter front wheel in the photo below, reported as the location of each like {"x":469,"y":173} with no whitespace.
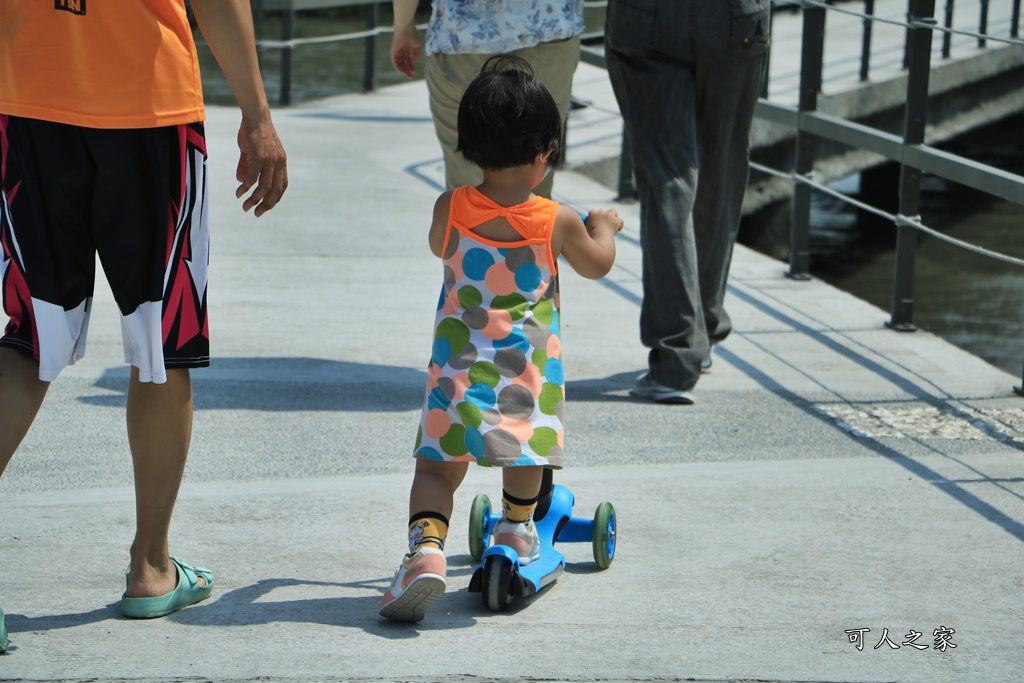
{"x":497,"y":583}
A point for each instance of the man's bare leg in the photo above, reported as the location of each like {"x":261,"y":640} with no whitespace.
{"x":159,"y":433}
{"x":21,"y":394}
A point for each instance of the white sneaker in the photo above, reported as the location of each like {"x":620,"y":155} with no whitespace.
{"x":646,"y":387}
{"x":520,"y":536}
{"x":418,"y":582}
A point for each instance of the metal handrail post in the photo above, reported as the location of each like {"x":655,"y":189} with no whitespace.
{"x":906,"y":41}
{"x":370,"y":48}
{"x":947,"y":37}
{"x":1020,"y":390}
{"x":1015,"y":21}
{"x":287,"y":29}
{"x":766,"y":69}
{"x":983,"y":23}
{"x":811,"y":51}
{"x":919,"y":51}
{"x":258,"y":17}
{"x":865,"y":53}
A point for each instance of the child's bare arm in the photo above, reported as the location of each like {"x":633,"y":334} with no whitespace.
{"x":439,"y":224}
{"x":589,"y":248}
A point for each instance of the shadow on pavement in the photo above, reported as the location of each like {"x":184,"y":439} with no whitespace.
{"x":287,"y":384}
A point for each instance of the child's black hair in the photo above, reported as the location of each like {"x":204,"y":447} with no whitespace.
{"x":507,"y":117}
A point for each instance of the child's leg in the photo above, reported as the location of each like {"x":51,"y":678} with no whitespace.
{"x":431,"y":501}
{"x":419,"y":580}
{"x":434,"y":486}
{"x":515,"y":529}
{"x":522,"y":482}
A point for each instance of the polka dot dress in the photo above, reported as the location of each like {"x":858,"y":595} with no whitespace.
{"x":496,"y":388}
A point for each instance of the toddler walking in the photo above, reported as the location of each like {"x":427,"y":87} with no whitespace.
{"x":495,"y":393}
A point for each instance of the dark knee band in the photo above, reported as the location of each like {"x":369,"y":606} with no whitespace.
{"x":519,"y":501}
{"x":428,"y":515}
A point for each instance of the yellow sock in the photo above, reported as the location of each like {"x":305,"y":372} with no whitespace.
{"x":427,"y":530}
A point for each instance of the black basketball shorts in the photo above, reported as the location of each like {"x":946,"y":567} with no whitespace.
{"x":134,"y":198}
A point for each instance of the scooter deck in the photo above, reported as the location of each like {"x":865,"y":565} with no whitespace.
{"x":501,"y":577}
{"x":551,"y":563}
{"x":525,"y":579}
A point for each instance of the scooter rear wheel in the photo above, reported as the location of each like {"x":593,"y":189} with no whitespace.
{"x":604,"y":535}
{"x":478,"y":537}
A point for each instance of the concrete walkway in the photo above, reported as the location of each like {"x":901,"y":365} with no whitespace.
{"x":834,"y":476}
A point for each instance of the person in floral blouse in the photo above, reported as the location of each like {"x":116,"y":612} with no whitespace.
{"x":462,"y":34}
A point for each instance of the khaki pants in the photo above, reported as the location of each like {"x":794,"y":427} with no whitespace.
{"x":448,"y":75}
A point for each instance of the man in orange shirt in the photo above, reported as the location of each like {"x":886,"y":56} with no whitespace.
{"x":103,"y":152}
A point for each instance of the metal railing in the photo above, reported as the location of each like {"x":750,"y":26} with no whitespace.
{"x":908,"y":149}
{"x":287,"y":42}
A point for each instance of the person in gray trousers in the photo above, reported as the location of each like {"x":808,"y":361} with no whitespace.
{"x":686,"y":74}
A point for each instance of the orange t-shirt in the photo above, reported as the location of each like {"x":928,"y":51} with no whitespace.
{"x":99,"y":63}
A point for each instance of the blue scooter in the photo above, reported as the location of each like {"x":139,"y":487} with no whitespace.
{"x":499,"y":576}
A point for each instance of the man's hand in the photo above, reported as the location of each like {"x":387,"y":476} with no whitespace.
{"x":227,"y":27}
{"x":262,"y":162}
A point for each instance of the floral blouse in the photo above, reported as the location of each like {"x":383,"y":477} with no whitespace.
{"x":490,"y":26}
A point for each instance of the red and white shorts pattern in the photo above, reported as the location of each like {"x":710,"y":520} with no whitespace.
{"x":137,"y":199}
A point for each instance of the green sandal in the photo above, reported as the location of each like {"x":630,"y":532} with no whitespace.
{"x":188,"y":592}
{"x":3,"y":633}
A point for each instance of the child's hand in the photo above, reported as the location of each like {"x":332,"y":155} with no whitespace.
{"x":586,"y":242}
{"x":608,"y":220}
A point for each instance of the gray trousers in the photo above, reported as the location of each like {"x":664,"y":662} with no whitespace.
{"x":687,"y":74}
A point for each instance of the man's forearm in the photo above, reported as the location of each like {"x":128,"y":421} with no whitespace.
{"x":228,"y":30}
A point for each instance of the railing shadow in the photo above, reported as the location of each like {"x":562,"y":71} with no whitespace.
{"x":948,"y":486}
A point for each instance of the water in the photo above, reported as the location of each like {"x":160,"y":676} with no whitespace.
{"x":973,"y":301}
